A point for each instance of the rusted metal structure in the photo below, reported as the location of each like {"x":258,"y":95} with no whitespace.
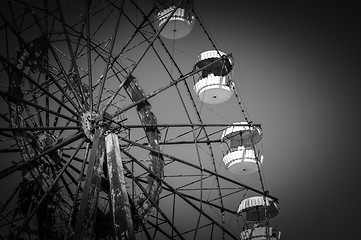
{"x":101,"y":134}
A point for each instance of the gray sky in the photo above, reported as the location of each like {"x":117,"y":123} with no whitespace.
{"x":296,"y":70}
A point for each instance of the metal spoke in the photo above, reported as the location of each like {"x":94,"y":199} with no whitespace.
{"x":38,"y":107}
{"x":182,"y":196}
{"x":36,"y":102}
{"x":78,"y":188}
{"x":115,"y":31}
{"x":90,"y":74}
{"x":144,"y":191}
{"x":10,"y":129}
{"x":206,"y":202}
{"x":183,"y":78}
{"x":20,"y":165}
{"x":39,"y":204}
{"x":73,"y":60}
{"x":39,"y":62}
{"x":196,"y":167}
{"x":150,"y":44}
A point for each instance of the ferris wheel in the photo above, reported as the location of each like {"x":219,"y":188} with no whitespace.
{"x":116,"y":124}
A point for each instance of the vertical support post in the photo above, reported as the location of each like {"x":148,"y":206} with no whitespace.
{"x":85,"y":225}
{"x":120,"y":207}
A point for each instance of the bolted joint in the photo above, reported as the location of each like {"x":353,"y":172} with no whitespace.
{"x":89,"y":122}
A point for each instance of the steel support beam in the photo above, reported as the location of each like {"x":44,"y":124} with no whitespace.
{"x":120,"y":206}
{"x":85,"y":224}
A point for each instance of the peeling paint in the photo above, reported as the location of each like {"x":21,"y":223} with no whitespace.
{"x":86,"y":220}
{"x":120,"y":206}
{"x":145,"y":207}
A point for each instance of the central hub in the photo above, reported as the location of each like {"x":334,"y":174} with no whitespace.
{"x":92,"y":120}
{"x":89,"y":121}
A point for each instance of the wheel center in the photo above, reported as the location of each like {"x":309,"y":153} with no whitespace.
{"x":92,"y":120}
{"x":89,"y":121}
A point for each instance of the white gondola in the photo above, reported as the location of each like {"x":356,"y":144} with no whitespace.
{"x":180,"y":23}
{"x":214,"y":89}
{"x":215,"y":84}
{"x":242,"y":161}
{"x":242,"y":134}
{"x":258,"y":208}
{"x":260,"y":233}
{"x":239,"y":152}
